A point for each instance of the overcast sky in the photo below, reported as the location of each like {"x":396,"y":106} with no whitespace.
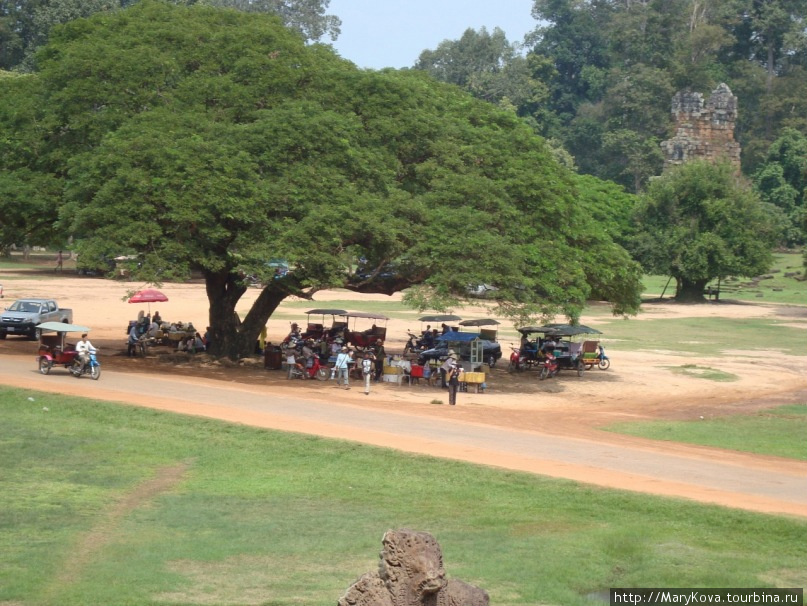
{"x":393,"y":33}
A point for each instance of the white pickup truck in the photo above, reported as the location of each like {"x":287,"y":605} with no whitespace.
{"x":23,"y":316}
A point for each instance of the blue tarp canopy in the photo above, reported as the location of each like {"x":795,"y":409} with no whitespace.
{"x":461,"y":337}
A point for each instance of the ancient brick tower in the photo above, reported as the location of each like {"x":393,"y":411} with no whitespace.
{"x":704,"y":129}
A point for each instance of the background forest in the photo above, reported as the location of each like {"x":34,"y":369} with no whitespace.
{"x":596,"y":76}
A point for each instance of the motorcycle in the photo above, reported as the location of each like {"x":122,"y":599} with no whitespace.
{"x":603,"y":363}
{"x":92,"y":367}
{"x":516,"y":360}
{"x":549,"y":367}
{"x":311,"y":368}
{"x":415,"y":344}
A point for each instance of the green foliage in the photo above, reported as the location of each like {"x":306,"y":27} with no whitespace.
{"x":782,"y":181}
{"x":25,"y":25}
{"x":244,"y":515}
{"x":616,"y":65}
{"x":698,"y":222}
{"x":220,"y":155}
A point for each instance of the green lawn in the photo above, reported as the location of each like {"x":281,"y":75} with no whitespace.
{"x":262,"y":517}
{"x":778,"y":431}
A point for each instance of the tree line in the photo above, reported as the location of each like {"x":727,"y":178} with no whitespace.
{"x":596,"y":78}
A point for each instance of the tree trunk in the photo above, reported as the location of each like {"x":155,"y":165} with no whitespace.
{"x":690,"y":291}
{"x":230,"y":337}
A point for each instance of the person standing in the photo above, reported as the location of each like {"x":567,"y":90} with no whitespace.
{"x":449,"y":362}
{"x":59,"y":262}
{"x":367,"y":370}
{"x":453,"y":382}
{"x":131,"y":343}
{"x":379,"y":357}
{"x":342,"y":367}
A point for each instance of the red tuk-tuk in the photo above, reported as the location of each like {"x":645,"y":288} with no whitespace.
{"x":54,"y":349}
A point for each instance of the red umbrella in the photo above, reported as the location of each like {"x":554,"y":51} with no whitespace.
{"x":148,"y":295}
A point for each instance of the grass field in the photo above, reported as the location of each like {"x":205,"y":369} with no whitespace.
{"x":778,"y":431}
{"x":247,"y":516}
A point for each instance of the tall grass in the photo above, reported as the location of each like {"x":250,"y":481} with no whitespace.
{"x":248,"y":516}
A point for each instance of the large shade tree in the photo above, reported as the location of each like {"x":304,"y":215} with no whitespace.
{"x":212,"y":140}
{"x":700,"y":222}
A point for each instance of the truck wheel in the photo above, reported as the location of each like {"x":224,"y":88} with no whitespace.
{"x":35,"y":334}
{"x":44,"y":365}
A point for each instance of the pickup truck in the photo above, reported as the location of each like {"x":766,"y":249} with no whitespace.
{"x":23,"y":316}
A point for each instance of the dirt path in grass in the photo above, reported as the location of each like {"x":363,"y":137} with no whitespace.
{"x":552,"y":427}
{"x":98,"y":537}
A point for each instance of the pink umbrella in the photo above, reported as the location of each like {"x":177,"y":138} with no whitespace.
{"x":148,"y":295}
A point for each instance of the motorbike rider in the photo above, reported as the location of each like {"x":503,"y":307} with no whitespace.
{"x":83,"y":350}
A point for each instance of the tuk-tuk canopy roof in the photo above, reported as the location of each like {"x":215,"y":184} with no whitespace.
{"x":327,"y":312}
{"x":560,"y":330}
{"x":364,"y":314}
{"x":440,"y":318}
{"x":62,"y":327}
{"x":482,"y":322}
{"x":460,"y":337}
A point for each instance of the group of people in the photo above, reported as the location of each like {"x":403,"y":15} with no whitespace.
{"x":150,"y":327}
{"x":301,"y":351}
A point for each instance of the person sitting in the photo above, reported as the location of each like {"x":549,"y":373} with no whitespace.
{"x":197,"y":344}
{"x":153,"y":329}
{"x":157,"y":318}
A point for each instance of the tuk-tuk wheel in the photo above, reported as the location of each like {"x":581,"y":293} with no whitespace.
{"x":44,"y":365}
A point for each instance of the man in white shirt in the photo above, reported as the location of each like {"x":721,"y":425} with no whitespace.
{"x":342,"y":367}
{"x":83,"y":349}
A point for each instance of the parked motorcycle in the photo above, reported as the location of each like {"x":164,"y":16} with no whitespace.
{"x":603,"y":363}
{"x":516,"y":360}
{"x":92,"y":367}
{"x":311,"y":368}
{"x":549,"y":367}
{"x":414,"y":344}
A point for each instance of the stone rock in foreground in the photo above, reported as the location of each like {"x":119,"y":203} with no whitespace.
{"x":411,"y":573}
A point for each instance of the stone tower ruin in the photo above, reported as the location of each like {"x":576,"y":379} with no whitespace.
{"x":704,"y":128}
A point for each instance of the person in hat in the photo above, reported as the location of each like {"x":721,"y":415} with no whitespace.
{"x":453,"y":382}
{"x":342,"y":366}
{"x":448,"y":364}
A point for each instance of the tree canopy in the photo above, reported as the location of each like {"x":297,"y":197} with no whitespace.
{"x":699,"y":222}
{"x":26,"y":24}
{"x":212,"y":140}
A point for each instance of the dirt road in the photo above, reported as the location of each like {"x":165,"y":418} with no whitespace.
{"x":751,"y":482}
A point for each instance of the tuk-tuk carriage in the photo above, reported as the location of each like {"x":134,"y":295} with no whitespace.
{"x":368,"y":337}
{"x":55,"y":350}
